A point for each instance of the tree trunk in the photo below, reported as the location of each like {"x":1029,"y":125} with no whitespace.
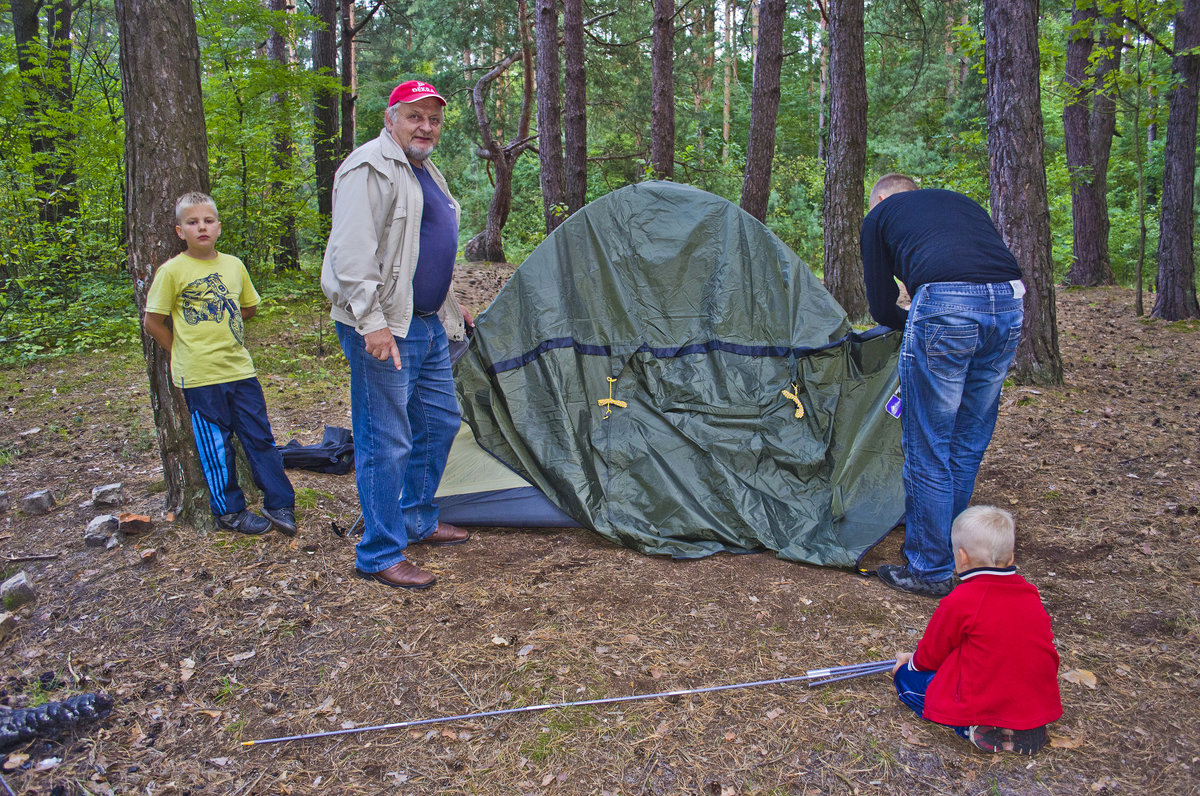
{"x":488,"y":245}
{"x":287,"y":255}
{"x":325,"y":103}
{"x":730,"y":74}
{"x":349,"y":81}
{"x":764,"y":109}
{"x":823,"y":92}
{"x":1103,"y":128}
{"x":574,"y":106}
{"x":1087,"y":114}
{"x":549,"y":115}
{"x":1176,"y":297}
{"x":846,"y":155}
{"x":662,"y":90}
{"x":166,"y":155}
{"x":45,"y":72}
{"x":1020,"y":206}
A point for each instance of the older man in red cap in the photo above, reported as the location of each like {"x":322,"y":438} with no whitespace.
{"x":387,"y":273}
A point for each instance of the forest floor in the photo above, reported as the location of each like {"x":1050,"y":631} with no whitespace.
{"x":217,"y":639}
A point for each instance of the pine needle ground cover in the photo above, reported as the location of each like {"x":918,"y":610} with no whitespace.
{"x":217,"y":639}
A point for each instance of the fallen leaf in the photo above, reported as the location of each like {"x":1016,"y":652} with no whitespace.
{"x":47,"y":764}
{"x":450,"y":735}
{"x":1080,"y":677}
{"x":241,"y":656}
{"x":219,"y":761}
{"x":910,"y":737}
{"x":187,"y":668}
{"x":656,"y":672}
{"x":630,"y":638}
{"x":774,"y":713}
{"x":1065,"y":742}
{"x":214,"y":714}
{"x":501,"y":641}
{"x":730,"y":736}
{"x":546,"y":780}
{"x":528,"y":648}
{"x":15,"y":761}
{"x":1102,"y":783}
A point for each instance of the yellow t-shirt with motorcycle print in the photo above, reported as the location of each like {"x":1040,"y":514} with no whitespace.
{"x":204,"y":299}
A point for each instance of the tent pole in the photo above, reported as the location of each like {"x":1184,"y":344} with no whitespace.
{"x":840,"y":672}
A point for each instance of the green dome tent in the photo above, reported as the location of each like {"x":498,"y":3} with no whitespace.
{"x":667,"y":373}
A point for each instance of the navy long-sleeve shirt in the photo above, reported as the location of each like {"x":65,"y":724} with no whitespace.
{"x":929,"y":235}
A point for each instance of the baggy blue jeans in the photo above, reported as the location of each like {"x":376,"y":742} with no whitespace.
{"x":958,"y":343}
{"x":218,"y":412}
{"x":403,"y":421}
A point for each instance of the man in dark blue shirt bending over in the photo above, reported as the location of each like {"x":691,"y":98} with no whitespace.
{"x":960,"y":335}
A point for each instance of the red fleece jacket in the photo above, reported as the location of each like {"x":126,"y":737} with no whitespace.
{"x":990,"y":642}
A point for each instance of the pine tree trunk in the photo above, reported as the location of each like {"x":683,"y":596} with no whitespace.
{"x":1020,"y":206}
{"x":549,"y":115}
{"x":662,"y":90}
{"x":287,"y":255}
{"x":166,"y":155}
{"x":47,"y":87}
{"x":764,"y":109}
{"x":574,"y":106}
{"x":846,"y":155}
{"x":1089,"y":121}
{"x":730,"y":59}
{"x":1176,"y":298}
{"x":349,"y":81}
{"x":488,"y":244}
{"x":325,"y":105}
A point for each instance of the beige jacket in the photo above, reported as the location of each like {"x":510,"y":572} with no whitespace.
{"x":372,"y":251}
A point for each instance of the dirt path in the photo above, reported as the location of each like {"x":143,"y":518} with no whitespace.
{"x":224,"y":639}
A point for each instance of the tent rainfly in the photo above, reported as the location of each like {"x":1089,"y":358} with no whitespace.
{"x":664,"y":371}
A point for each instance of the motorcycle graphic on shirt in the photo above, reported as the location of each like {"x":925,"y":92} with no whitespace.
{"x":208,"y":299}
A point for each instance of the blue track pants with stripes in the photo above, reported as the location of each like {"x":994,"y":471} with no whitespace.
{"x":237,"y":407}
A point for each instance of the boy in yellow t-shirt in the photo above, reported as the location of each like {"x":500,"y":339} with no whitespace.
{"x":207,"y":295}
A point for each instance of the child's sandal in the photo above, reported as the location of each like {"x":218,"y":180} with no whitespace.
{"x":1027,"y":742}
{"x":987,"y":738}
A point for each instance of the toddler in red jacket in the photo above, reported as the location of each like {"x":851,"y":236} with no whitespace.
{"x":986,"y":666}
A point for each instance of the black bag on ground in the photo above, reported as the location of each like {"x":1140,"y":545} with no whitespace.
{"x":334,"y":455}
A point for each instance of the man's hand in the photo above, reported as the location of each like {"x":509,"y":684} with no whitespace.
{"x":381,"y":345}
{"x":468,"y":318}
{"x":901,"y":659}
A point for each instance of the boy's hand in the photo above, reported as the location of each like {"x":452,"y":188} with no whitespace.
{"x":468,"y":318}
{"x":381,"y":345}
{"x":902,"y":658}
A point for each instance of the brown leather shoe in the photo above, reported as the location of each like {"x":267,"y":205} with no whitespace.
{"x":446,"y":534}
{"x":404,"y":575}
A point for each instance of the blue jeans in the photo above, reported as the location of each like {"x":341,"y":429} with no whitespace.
{"x":958,"y":344}
{"x":404,"y":421}
{"x":218,"y":412}
{"x":911,"y":685}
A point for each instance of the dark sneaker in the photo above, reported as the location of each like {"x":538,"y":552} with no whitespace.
{"x":1027,"y":742}
{"x":900,"y":579}
{"x":245,"y":521}
{"x":284,"y":520}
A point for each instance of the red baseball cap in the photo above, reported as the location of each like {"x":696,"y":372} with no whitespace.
{"x":412,"y":91}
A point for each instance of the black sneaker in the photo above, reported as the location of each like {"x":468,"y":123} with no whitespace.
{"x":244,"y":521}
{"x":284,"y":520}
{"x":900,"y":579}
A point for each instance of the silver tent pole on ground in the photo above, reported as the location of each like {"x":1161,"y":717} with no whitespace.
{"x":840,"y":673}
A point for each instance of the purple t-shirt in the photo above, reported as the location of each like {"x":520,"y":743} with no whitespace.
{"x":438,"y":246}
